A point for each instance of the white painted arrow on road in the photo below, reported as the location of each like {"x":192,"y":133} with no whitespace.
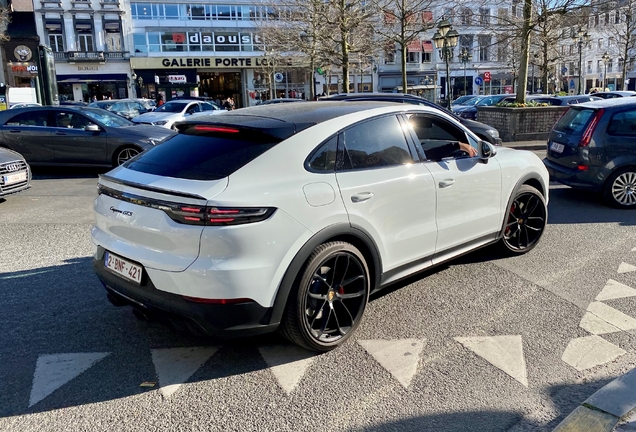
{"x":504,"y":352}
{"x":54,"y":370}
{"x":400,"y":357}
{"x":175,"y":365}
{"x":615,"y":290}
{"x":288,"y":363}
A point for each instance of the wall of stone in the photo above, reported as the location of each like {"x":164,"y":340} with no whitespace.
{"x":521,"y":124}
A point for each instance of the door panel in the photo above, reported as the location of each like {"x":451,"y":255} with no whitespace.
{"x":75,"y":145}
{"x":28,"y":133}
{"x":385,"y":193}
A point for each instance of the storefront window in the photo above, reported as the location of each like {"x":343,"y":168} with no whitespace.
{"x":195,"y":41}
{"x":171,"y":42}
{"x":140,"y":43}
{"x":154,"y":42}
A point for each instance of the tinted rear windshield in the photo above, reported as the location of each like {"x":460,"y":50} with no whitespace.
{"x":201,"y":155}
{"x":574,"y":120}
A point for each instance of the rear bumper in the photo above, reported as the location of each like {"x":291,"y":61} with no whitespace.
{"x":217,"y":320}
{"x":587,"y":180}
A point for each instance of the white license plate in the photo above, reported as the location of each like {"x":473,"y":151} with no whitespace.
{"x":557,"y":147}
{"x":15,"y":178}
{"x":122,"y":267}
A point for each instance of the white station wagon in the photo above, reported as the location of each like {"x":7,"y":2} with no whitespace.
{"x":288,"y":217}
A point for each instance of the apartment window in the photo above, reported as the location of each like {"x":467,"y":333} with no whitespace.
{"x":56,"y":37}
{"x":571,"y":49}
{"x":611,"y":42}
{"x":600,"y":43}
{"x":589,"y":66}
{"x":607,"y":18}
{"x":484,"y":16}
{"x":139,"y":40}
{"x":448,"y":14}
{"x":599,"y":66}
{"x":596,"y":20}
{"x":389,"y":56}
{"x":617,"y":17}
{"x":517,"y":8}
{"x":484,"y":47}
{"x":502,"y":16}
{"x":467,"y":15}
{"x":197,"y":12}
{"x":412,"y":57}
{"x":571,"y":68}
{"x":610,"y":65}
{"x":112,"y":36}
{"x":84,"y":30}
{"x":426,"y":57}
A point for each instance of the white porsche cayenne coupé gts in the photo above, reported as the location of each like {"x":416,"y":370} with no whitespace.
{"x":287,"y":217}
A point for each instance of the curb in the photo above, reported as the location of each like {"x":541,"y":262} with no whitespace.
{"x":524,"y":147}
{"x":602,"y":411}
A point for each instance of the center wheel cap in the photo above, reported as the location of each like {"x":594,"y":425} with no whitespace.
{"x":520,"y":221}
{"x":330,"y":295}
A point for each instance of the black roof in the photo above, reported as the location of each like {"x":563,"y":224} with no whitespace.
{"x":285,"y":119}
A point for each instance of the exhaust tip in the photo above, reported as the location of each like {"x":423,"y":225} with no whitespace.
{"x":115,"y":301}
{"x":141,"y":315}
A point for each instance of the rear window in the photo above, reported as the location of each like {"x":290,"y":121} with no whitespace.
{"x":197,"y":154}
{"x":574,"y":120}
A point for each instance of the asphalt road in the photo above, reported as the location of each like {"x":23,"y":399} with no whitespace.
{"x":482,"y":344}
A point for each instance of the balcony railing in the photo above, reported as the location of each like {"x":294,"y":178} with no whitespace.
{"x":89,"y":56}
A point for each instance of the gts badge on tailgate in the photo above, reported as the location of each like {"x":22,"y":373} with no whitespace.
{"x":123,"y":212}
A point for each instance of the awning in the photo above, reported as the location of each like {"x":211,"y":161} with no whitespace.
{"x":90,"y":78}
{"x":427,"y":46}
{"x":419,"y":87}
{"x":415,"y":46}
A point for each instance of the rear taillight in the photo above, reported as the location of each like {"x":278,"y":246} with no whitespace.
{"x":218,"y":216}
{"x":589,"y":131}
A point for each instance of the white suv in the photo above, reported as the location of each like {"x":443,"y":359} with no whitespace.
{"x":287,"y":217}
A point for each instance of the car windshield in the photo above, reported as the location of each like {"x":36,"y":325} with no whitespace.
{"x":472,"y":102}
{"x":172,"y":107}
{"x":107,"y":118}
{"x":103,"y":105}
{"x":574,"y":120}
{"x":462,"y":100}
{"x":488,"y":101}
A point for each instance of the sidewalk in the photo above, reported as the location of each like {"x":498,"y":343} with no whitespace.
{"x":604,"y":410}
{"x":526,"y":145}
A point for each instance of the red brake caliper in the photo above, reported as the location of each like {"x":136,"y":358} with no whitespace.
{"x":512,"y":210}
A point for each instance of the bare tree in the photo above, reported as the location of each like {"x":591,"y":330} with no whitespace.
{"x":5,"y":19}
{"x":404,"y":22}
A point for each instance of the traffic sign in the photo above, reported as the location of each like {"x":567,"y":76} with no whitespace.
{"x":479,"y":81}
{"x":278,"y":77}
{"x":487,"y":76}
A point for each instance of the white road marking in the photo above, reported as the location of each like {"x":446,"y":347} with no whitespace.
{"x":626,"y":268}
{"x":615,"y":290}
{"x":504,"y":352}
{"x":612,"y":316}
{"x":634,"y":249}
{"x":596,"y":325}
{"x":175,"y":365}
{"x":587,"y":352}
{"x":54,"y":370}
{"x":288,"y":363}
{"x":400,"y":357}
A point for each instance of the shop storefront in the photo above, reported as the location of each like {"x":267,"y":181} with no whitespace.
{"x":21,"y":68}
{"x":420,"y":83}
{"x":248,"y":80}
{"x":81,"y":82}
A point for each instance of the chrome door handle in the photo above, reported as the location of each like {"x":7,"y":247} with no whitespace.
{"x":362,"y":196}
{"x":446,"y":183}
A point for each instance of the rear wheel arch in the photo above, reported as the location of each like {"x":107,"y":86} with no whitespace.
{"x":334,"y":233}
{"x":611,"y":178}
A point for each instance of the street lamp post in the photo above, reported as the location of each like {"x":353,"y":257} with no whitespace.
{"x":464,"y":57}
{"x":606,"y":60}
{"x":581,"y":38}
{"x":445,"y":40}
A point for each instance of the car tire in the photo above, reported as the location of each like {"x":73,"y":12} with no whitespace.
{"x":526,"y":218}
{"x":124,"y":154}
{"x":620,"y":188}
{"x":329,"y":297}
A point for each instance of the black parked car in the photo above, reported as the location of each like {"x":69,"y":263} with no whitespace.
{"x":127,"y":108}
{"x":75,"y":136}
{"x":470,"y":111}
{"x":483,"y":131}
{"x":15,"y":173}
{"x":593,"y":147}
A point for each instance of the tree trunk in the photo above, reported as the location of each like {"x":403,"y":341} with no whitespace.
{"x":545,"y":69}
{"x":525,"y":52}
{"x":312,"y":78}
{"x":344,"y":35}
{"x":403,"y":61}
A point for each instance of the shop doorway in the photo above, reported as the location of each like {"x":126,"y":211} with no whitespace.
{"x":220,"y":85}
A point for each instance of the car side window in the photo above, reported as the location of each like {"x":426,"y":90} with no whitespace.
{"x":207,"y":107}
{"x":433,"y":132}
{"x":376,"y":143}
{"x":623,"y":123}
{"x":33,"y":118}
{"x":324,"y":159}
{"x":71,"y":120}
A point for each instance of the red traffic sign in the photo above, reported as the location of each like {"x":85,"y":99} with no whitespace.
{"x":487,"y":76}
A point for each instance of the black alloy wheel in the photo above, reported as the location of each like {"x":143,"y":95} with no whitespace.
{"x":125,"y":154}
{"x":330,"y":298}
{"x":525,"y":221}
